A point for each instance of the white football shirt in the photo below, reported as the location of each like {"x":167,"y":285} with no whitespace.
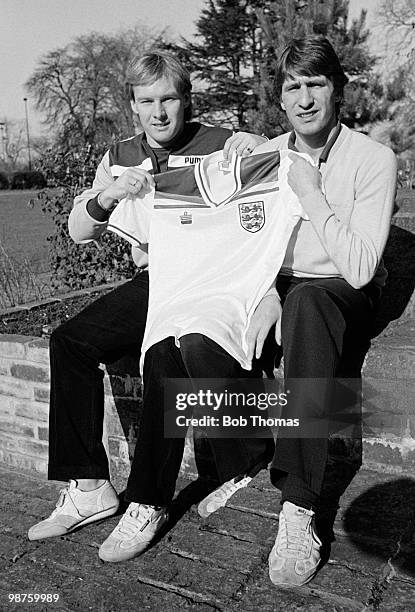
{"x":217,"y":235}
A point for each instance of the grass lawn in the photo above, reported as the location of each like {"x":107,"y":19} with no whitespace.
{"x":23,"y":230}
{"x":24,"y":264}
{"x":23,"y":233}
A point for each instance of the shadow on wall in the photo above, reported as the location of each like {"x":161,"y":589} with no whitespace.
{"x":125,"y":381}
{"x":381,"y":522}
{"x":399,"y":259}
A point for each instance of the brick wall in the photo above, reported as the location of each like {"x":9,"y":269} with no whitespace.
{"x":389,"y":418}
{"x":24,"y":397}
{"x":24,"y":408}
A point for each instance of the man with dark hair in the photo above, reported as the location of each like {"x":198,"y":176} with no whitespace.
{"x":113,"y":326}
{"x":329,"y":284}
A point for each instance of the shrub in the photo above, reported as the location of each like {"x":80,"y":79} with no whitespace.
{"x":4,"y":181}
{"x":19,"y":282}
{"x":76,"y":266}
{"x":28,"y":180}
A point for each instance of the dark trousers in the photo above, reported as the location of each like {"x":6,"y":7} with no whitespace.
{"x":110,"y":328}
{"x":325,"y":335}
{"x":157,"y":459}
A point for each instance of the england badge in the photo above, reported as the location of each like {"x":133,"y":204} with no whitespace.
{"x":252,"y":216}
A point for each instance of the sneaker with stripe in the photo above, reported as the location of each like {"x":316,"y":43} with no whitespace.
{"x":219,"y":498}
{"x":76,"y":508}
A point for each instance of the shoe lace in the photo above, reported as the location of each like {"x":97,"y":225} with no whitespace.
{"x":61,"y":500}
{"x":295,"y":537}
{"x":136,"y":517}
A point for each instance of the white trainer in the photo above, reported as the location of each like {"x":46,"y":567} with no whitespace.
{"x":134,"y":533}
{"x":295,"y":556}
{"x":76,"y":508}
{"x":219,"y":498}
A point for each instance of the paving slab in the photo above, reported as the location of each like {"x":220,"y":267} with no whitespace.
{"x":397,"y":596}
{"x":218,"y":563}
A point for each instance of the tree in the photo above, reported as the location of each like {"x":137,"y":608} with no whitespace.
{"x":398,"y":18}
{"x":80,"y":87}
{"x":397,"y":129}
{"x":284,"y":20}
{"x":225,"y":61}
{"x":237,"y":42}
{"x":13,"y":145}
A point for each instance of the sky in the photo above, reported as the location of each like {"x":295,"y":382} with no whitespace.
{"x":31,"y":28}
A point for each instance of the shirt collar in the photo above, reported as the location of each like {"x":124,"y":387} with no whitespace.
{"x":327,"y":148}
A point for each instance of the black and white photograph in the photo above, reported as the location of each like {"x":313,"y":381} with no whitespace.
{"x":207,"y":311}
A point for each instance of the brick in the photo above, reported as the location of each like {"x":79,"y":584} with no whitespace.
{"x":24,"y":462}
{"x":32,"y":410}
{"x":385,"y":425}
{"x":16,"y":388}
{"x":29,"y":372}
{"x":130,"y":408}
{"x":126,"y":365}
{"x":123,"y":386}
{"x":7,"y":409}
{"x":33,"y":448}
{"x":43,"y":433}
{"x":5,"y":363}
{"x":13,"y":345}
{"x":37,"y":351}
{"x":120,"y":471}
{"x":120,"y":416}
{"x":188,"y":465}
{"x":9,"y":443}
{"x":112,"y":423}
{"x":382,"y":395}
{"x":17,"y":428}
{"x":42,"y":394}
{"x":109,"y":406}
{"x":114,"y":446}
{"x":391,"y":361}
{"x":392,"y":355}
{"x":118,"y":447}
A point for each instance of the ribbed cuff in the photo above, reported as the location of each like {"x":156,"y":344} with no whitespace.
{"x":95,"y":210}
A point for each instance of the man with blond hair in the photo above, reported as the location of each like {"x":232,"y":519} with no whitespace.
{"x":159,"y":89}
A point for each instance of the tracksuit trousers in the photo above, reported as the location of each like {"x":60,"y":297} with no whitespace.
{"x":325,"y":330}
{"x":108,"y":329}
{"x":325,"y":334}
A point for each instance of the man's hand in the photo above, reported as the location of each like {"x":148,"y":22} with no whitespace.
{"x":242,"y":144}
{"x":303,"y":177}
{"x":132,"y":182}
{"x":266,"y":314}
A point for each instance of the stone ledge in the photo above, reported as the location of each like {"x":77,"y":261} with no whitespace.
{"x":389,"y":416}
